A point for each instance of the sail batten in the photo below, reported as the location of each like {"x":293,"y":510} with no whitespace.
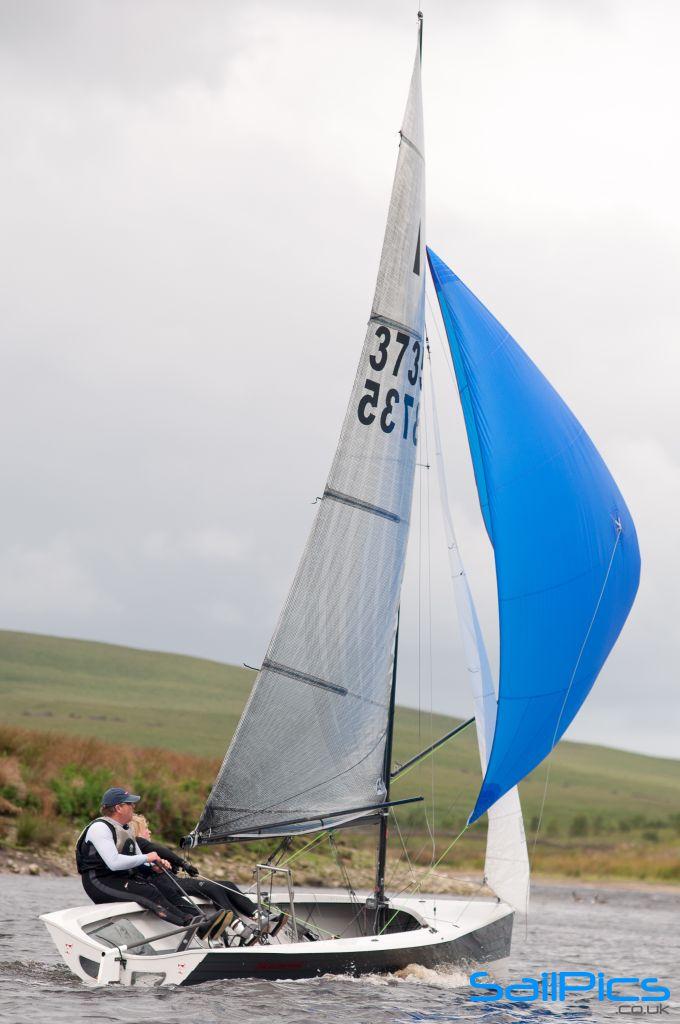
{"x":312,"y":737}
{"x":565,"y":546}
{"x":378,"y":318}
{"x":358,"y":503}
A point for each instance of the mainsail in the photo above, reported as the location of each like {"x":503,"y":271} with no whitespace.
{"x":506,"y":862}
{"x":310,"y":746}
{"x":566,"y":551}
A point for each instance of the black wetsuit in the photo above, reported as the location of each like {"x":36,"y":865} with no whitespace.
{"x":225,"y":895}
{"x":114,"y":888}
{"x":103,"y":885}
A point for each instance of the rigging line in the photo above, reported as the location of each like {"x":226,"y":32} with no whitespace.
{"x":451,"y":807}
{"x":343,"y":869}
{"x":428,"y":537}
{"x":420,"y":572}
{"x":313,"y":927}
{"x":184,"y":893}
{"x":360,"y":907}
{"x":425,"y":811}
{"x":271,"y":890}
{"x":388,"y":922}
{"x":302,"y":849}
{"x":436,"y":864}
{"x":619,"y":531}
{"x":279,"y":850}
{"x":389,"y":882}
{"x":284,"y":850}
{"x":445,"y":350}
{"x":473,"y":897}
{"x":334,"y":935}
{"x":222,"y":886}
{"x":456,"y":800}
{"x":360,"y":912}
{"x":276,"y":906}
{"x":404,"y":847}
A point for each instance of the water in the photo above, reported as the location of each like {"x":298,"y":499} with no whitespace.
{"x":618,"y":932}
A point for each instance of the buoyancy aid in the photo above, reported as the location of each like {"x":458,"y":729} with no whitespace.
{"x":87,"y":857}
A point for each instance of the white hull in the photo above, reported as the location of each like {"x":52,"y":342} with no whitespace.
{"x":431,"y":933}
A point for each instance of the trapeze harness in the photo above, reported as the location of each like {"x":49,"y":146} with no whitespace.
{"x":88,"y":857}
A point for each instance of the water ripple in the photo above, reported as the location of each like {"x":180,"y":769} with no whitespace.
{"x":613,"y":931}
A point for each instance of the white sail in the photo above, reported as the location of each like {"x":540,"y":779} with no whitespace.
{"x":506,"y":866}
{"x":311,"y":741}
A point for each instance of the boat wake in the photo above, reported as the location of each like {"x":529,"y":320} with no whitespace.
{"x":35,"y":970}
{"x":443,"y":978}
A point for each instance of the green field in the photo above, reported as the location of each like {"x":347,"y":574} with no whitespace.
{"x":191,"y":706}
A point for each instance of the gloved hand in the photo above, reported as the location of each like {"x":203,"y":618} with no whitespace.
{"x":190,"y":869}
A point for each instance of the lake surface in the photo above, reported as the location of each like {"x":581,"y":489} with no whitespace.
{"x":618,"y":932}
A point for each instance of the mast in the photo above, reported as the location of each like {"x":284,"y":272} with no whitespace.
{"x":380,"y":901}
{"x":379,"y":892}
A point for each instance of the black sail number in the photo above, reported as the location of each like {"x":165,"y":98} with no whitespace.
{"x":415,"y":369}
{"x":372,"y":405}
{"x":379,"y":360}
{"x":403,"y":340}
{"x":408,"y":404}
{"x":415,"y":426}
{"x":368,"y":401}
{"x":371,"y":400}
{"x":391,"y":399}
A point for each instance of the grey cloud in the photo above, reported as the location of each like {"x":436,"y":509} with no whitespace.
{"x":127,"y":49}
{"x":192,"y":210}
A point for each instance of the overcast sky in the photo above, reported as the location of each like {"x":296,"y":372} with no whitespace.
{"x":192,"y":202}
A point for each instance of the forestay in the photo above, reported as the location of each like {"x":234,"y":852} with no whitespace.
{"x":311,"y":741}
{"x":567,"y":558}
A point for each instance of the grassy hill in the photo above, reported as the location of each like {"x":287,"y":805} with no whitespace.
{"x":190,"y":706}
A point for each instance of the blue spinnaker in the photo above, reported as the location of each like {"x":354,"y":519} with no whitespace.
{"x":566,"y":551}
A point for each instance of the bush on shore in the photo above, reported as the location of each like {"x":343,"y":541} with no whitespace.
{"x":51,"y":786}
{"x":33,"y":830}
{"x":47,"y":777}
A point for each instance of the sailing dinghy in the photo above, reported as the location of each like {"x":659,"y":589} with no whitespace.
{"x":567,"y":566}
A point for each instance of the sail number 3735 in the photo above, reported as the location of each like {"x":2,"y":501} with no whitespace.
{"x":382,"y":403}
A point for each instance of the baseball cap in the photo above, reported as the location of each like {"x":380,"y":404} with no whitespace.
{"x":118,"y":795}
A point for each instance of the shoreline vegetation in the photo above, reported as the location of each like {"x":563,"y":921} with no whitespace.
{"x":50,"y":785}
{"x":80,"y":716}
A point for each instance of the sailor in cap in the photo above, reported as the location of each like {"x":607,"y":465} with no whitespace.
{"x":113,"y":868}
